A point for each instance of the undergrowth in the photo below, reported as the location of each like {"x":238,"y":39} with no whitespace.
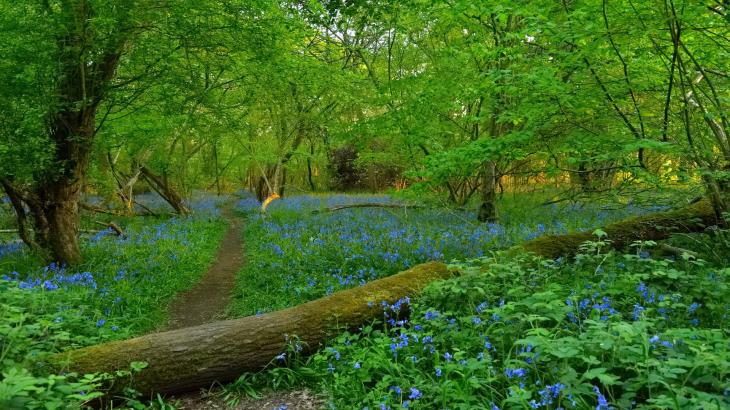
{"x":606,"y":331}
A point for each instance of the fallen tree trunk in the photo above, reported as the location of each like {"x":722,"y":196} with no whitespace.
{"x":162,"y":186}
{"x":80,"y":231}
{"x":189,"y":358}
{"x":653,"y":227}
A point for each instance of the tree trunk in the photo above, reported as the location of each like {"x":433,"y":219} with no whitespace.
{"x":200,"y":356}
{"x":266,"y":185}
{"x":21,"y":216}
{"x":488,"y":206}
{"x":310,"y":178}
{"x":62,"y":214}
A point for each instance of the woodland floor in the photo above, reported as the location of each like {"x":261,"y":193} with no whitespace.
{"x":289,"y":400}
{"x":207,"y":302}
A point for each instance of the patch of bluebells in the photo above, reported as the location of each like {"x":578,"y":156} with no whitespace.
{"x":307,"y":253}
{"x":124,"y":279}
{"x":11,"y":248}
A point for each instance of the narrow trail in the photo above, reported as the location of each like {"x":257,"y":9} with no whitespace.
{"x":208,"y":300}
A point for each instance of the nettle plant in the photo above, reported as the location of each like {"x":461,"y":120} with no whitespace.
{"x":603,"y":331}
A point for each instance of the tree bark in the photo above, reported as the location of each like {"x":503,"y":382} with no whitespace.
{"x":200,"y":356}
{"x":488,"y":206}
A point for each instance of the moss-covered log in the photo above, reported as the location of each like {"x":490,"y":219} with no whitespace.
{"x":694,"y":218}
{"x":200,"y":356}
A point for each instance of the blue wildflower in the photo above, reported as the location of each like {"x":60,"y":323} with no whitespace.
{"x":415,"y":394}
{"x":602,"y":402}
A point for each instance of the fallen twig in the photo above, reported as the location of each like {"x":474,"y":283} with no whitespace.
{"x":366,"y":205}
{"x":114,"y":227}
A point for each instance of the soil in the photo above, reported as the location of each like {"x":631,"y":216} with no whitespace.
{"x":289,"y":400}
{"x":207,"y":301}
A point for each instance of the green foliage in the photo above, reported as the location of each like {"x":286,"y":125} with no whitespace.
{"x":531,"y":333}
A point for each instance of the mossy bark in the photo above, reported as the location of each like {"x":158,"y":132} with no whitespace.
{"x":189,"y":358}
{"x":654,"y":227}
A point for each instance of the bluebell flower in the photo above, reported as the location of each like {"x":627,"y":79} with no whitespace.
{"x":602,"y":402}
{"x":430,"y":315}
{"x":638,"y":310}
{"x":519,"y":372}
{"x":48,"y":285}
{"x":415,"y":394}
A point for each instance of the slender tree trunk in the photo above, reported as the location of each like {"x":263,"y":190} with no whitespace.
{"x":310,"y":178}
{"x":488,"y":205}
{"x":21,"y":216}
